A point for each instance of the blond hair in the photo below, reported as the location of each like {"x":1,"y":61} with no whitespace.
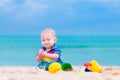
{"x":49,"y":30}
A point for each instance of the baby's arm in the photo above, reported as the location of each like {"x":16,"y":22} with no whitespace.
{"x":56,"y":54}
{"x":39,"y":56}
{"x":52,"y":56}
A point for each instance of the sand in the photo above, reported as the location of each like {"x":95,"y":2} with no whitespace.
{"x":33,"y":73}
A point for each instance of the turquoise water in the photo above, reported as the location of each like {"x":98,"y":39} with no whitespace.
{"x":21,"y":50}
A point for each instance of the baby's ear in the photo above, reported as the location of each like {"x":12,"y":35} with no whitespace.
{"x":55,"y":39}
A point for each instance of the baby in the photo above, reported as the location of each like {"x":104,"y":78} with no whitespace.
{"x":49,"y":52}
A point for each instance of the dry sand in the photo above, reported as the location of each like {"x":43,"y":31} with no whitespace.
{"x":33,"y":73}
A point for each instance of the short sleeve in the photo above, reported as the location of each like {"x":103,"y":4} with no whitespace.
{"x":57,"y":50}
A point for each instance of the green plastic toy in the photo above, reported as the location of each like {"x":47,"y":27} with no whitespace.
{"x":67,"y":67}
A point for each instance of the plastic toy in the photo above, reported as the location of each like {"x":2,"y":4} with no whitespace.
{"x":67,"y":67}
{"x":93,"y":66}
{"x":54,"y":67}
{"x":80,"y":73}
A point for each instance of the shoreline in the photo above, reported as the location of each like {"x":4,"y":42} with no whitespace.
{"x":78,"y":73}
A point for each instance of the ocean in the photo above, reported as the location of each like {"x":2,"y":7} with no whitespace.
{"x":20,"y":50}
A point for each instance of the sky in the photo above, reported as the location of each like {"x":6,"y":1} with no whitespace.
{"x":66,"y":17}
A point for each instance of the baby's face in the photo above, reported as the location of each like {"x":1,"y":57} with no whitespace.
{"x":48,"y":40}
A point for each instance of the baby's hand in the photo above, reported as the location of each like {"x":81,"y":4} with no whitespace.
{"x":43,"y":54}
{"x":41,"y":51}
{"x":39,"y":56}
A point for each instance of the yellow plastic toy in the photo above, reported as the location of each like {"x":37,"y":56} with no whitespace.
{"x":54,"y":67}
{"x":93,"y":66}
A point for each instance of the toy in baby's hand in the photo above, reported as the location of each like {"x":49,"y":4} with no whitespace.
{"x":93,"y":66}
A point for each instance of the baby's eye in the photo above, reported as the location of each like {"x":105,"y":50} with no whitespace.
{"x":48,"y":39}
{"x":43,"y":40}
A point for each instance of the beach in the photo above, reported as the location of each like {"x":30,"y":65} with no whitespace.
{"x":78,"y":73}
{"x":18,"y":53}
